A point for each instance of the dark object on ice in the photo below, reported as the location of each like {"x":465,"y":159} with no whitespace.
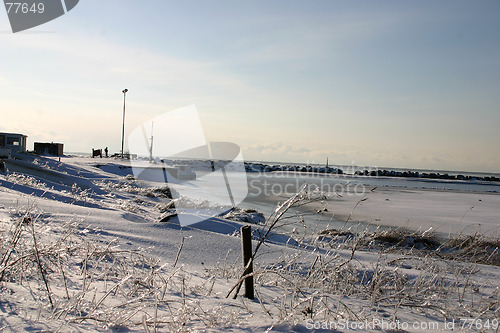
{"x":168,"y":215}
{"x":336,"y":233}
{"x":167,"y":207}
{"x":164,"y":192}
{"x":244,"y":215}
{"x":49,"y":148}
{"x":106,"y":151}
{"x":126,"y":156}
{"x":96,"y":152}
{"x":402,"y":238}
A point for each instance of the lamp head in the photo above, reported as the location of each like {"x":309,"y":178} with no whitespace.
{"x":124,"y":91}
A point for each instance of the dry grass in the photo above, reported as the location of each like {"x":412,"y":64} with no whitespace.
{"x":473,"y":248}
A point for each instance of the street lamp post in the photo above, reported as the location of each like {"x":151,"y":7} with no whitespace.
{"x":124,"y":91}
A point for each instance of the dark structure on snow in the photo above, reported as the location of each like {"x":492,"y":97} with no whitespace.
{"x":45,"y":148}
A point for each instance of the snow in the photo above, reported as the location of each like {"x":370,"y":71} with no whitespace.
{"x":159,"y":275}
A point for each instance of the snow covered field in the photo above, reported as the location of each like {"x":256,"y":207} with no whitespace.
{"x":83,"y":249}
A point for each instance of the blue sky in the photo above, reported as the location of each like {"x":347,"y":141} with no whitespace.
{"x":409,"y":84}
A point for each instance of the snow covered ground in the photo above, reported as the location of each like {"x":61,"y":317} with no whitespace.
{"x":83,"y":249}
{"x":447,"y":207}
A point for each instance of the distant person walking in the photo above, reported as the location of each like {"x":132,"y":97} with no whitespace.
{"x":106,"y":151}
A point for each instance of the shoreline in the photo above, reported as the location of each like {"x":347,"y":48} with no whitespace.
{"x":374,"y":171}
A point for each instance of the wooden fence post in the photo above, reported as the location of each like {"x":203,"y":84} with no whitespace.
{"x":246,"y":247}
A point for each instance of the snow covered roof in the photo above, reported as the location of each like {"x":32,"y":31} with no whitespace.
{"x":13,"y":134}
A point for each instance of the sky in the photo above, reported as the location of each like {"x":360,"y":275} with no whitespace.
{"x":409,"y":84}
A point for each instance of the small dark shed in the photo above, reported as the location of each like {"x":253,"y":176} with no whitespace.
{"x":45,"y":148}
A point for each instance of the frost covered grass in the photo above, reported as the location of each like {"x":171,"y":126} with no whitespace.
{"x":128,"y":185}
{"x":470,"y":248}
{"x":351,"y":276}
{"x":58,"y":273}
{"x":25,"y":180}
{"x":345,"y":284}
{"x":68,"y":277}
